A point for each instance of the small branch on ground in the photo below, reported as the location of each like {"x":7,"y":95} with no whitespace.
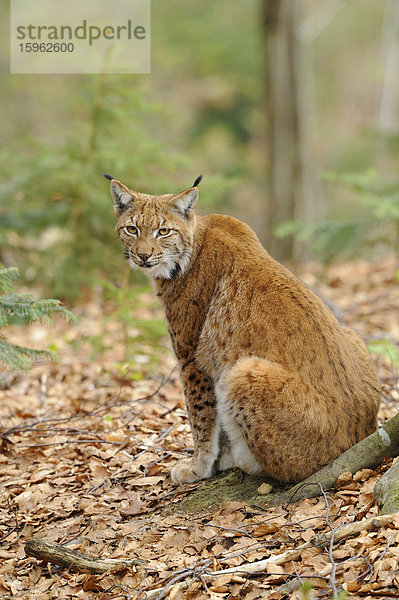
{"x":288,"y":588}
{"x":71,"y":559}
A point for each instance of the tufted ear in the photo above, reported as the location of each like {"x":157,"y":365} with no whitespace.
{"x":122,"y":196}
{"x":184,"y":202}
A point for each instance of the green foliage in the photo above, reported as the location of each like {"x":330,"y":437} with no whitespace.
{"x":385,"y":348}
{"x":306,"y":591}
{"x":56,"y":216}
{"x":19,"y":309}
{"x":328,"y":239}
{"x":371,"y":222}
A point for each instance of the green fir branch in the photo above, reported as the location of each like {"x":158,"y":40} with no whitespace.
{"x":19,"y":358}
{"x":23,"y":309}
{"x":7,"y":276}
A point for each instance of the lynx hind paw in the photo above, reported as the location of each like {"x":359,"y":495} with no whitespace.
{"x":188,"y":471}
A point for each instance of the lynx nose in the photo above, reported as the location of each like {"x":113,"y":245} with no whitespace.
{"x":143,"y":257}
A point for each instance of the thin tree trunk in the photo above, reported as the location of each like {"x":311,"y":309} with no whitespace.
{"x":388,"y":112}
{"x":287,"y":128}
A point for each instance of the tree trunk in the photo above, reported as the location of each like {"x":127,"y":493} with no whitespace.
{"x":388,"y":114}
{"x":289,"y":161}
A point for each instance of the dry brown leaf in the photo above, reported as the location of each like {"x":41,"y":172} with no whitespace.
{"x":269,"y":526}
{"x":344,"y":479}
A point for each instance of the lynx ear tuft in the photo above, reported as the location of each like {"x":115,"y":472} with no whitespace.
{"x":108,"y":176}
{"x":121,"y":195}
{"x":197,"y":181}
{"x":185,"y":201}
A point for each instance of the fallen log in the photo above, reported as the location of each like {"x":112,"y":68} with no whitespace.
{"x":72,"y":559}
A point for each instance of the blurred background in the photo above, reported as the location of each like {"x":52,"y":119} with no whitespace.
{"x":290,"y":109}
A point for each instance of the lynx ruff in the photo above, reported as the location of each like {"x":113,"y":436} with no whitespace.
{"x":274,"y":384}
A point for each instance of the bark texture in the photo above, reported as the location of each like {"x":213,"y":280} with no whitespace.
{"x":386,"y":490}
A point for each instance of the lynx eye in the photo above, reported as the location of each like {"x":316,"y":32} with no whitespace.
{"x":163,"y":231}
{"x":131,"y":230}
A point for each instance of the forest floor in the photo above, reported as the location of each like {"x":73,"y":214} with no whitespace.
{"x":86,"y":455}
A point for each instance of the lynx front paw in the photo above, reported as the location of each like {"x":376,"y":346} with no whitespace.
{"x":189,"y":470}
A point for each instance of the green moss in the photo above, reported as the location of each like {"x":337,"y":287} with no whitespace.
{"x":231,"y":485}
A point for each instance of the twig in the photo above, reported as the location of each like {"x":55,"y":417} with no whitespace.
{"x":149,"y":447}
{"x":299,"y":578}
{"x":61,"y":442}
{"x":36,"y":424}
{"x":155,"y":462}
{"x":239,"y":531}
{"x":331,"y":544}
{"x":288,"y":588}
{"x":15,"y":528}
{"x":226,"y":556}
{"x":160,"y":593}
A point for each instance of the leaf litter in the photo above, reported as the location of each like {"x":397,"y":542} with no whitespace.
{"x":86,"y":455}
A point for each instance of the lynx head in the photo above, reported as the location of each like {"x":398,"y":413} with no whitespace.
{"x":157,"y":231}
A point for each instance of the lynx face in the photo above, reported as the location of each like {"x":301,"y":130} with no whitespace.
{"x":157,"y":231}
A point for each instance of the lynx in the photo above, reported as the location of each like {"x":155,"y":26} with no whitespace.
{"x":273,"y":383}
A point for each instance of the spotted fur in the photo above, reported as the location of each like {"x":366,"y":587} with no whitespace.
{"x":273,"y":383}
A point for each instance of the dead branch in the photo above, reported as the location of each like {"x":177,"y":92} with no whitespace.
{"x":366,"y":454}
{"x":288,"y":588}
{"x":260,"y":566}
{"x":71,"y":559}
